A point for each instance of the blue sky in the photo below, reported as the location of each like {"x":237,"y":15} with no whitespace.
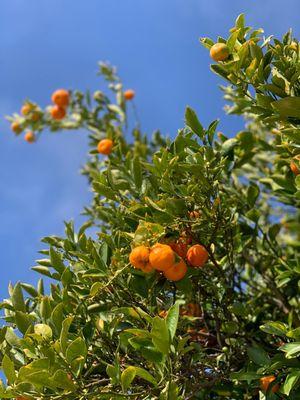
{"x":50,"y":44}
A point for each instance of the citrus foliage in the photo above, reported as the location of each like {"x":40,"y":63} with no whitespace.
{"x":119,"y":321}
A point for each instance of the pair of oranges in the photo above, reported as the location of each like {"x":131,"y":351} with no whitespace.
{"x":163,"y":258}
{"x":61,"y":100}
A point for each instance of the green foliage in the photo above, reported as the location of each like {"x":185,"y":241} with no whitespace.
{"x":100,"y":329}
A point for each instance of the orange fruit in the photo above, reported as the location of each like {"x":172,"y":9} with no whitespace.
{"x":163,"y":313}
{"x":147,"y":268}
{"x":129,"y":94}
{"x":27,"y":108}
{"x":176,"y":272}
{"x":294,"y":168}
{"x":161,"y":257}
{"x":57,"y":112}
{"x":16,"y":127}
{"x":61,"y":98}
{"x":191,"y":310}
{"x":139,"y":257}
{"x":194,"y":214}
{"x":105,"y":146}
{"x":197,"y":255}
{"x":180,"y":247}
{"x":35,"y":116}
{"x":266,"y":381}
{"x":29,"y":137}
{"x":219,"y":52}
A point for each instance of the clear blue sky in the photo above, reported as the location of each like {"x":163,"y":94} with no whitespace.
{"x":47,"y":44}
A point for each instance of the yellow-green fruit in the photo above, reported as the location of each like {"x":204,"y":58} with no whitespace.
{"x":294,"y":46}
{"x":219,"y":52}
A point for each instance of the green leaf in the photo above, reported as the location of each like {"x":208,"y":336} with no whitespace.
{"x":131,"y":372}
{"x":137,"y":172}
{"x":288,"y":107}
{"x":64,"y":333}
{"x":291,"y":349}
{"x":62,"y":380}
{"x":275,"y":328}
{"x":258,"y":356}
{"x":17,"y":298}
{"x":23,"y":321}
{"x":57,"y":317}
{"x":172,"y":319}
{"x":160,"y":335}
{"x":193,"y":123}
{"x":127,"y":377}
{"x":9,"y":369}
{"x":76,"y":349}
{"x":56,"y":261}
{"x":104,"y":190}
{"x":290,"y":381}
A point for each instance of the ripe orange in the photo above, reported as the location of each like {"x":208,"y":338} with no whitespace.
{"x":191,"y":310}
{"x":16,"y":127}
{"x":194,"y":214}
{"x":29,"y":137}
{"x":105,"y":146}
{"x":139,"y":257}
{"x":163,"y":313}
{"x":180,"y":247}
{"x":129,"y":94}
{"x":26,"y":109}
{"x":219,"y":52}
{"x":294,"y":168}
{"x":61,"y":98}
{"x":35,"y":116}
{"x":161,"y":257}
{"x":176,"y":271}
{"x":57,"y":112}
{"x":197,"y":255}
{"x":266,"y":381}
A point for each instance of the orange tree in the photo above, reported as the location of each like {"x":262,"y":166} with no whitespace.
{"x":190,"y":289}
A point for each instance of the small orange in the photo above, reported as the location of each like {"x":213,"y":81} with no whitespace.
{"x":139,"y":257}
{"x":219,"y":52}
{"x":105,"y":146}
{"x":195,"y":214}
{"x":147,"y":269}
{"x":180,"y":247}
{"x":35,"y":116}
{"x":61,"y":98}
{"x":266,"y":381}
{"x":161,"y":257}
{"x":191,"y":310}
{"x":57,"y":112}
{"x":176,"y":272}
{"x":294,"y":168}
{"x":27,"y":108}
{"x":29,"y":137}
{"x":16,"y":127}
{"x":197,"y":255}
{"x":163,"y":313}
{"x":129,"y":94}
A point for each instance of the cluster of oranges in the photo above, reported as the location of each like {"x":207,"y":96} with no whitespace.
{"x":168,"y":258}
{"x":61,"y":99}
{"x":105,"y":145}
{"x":32,"y":113}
